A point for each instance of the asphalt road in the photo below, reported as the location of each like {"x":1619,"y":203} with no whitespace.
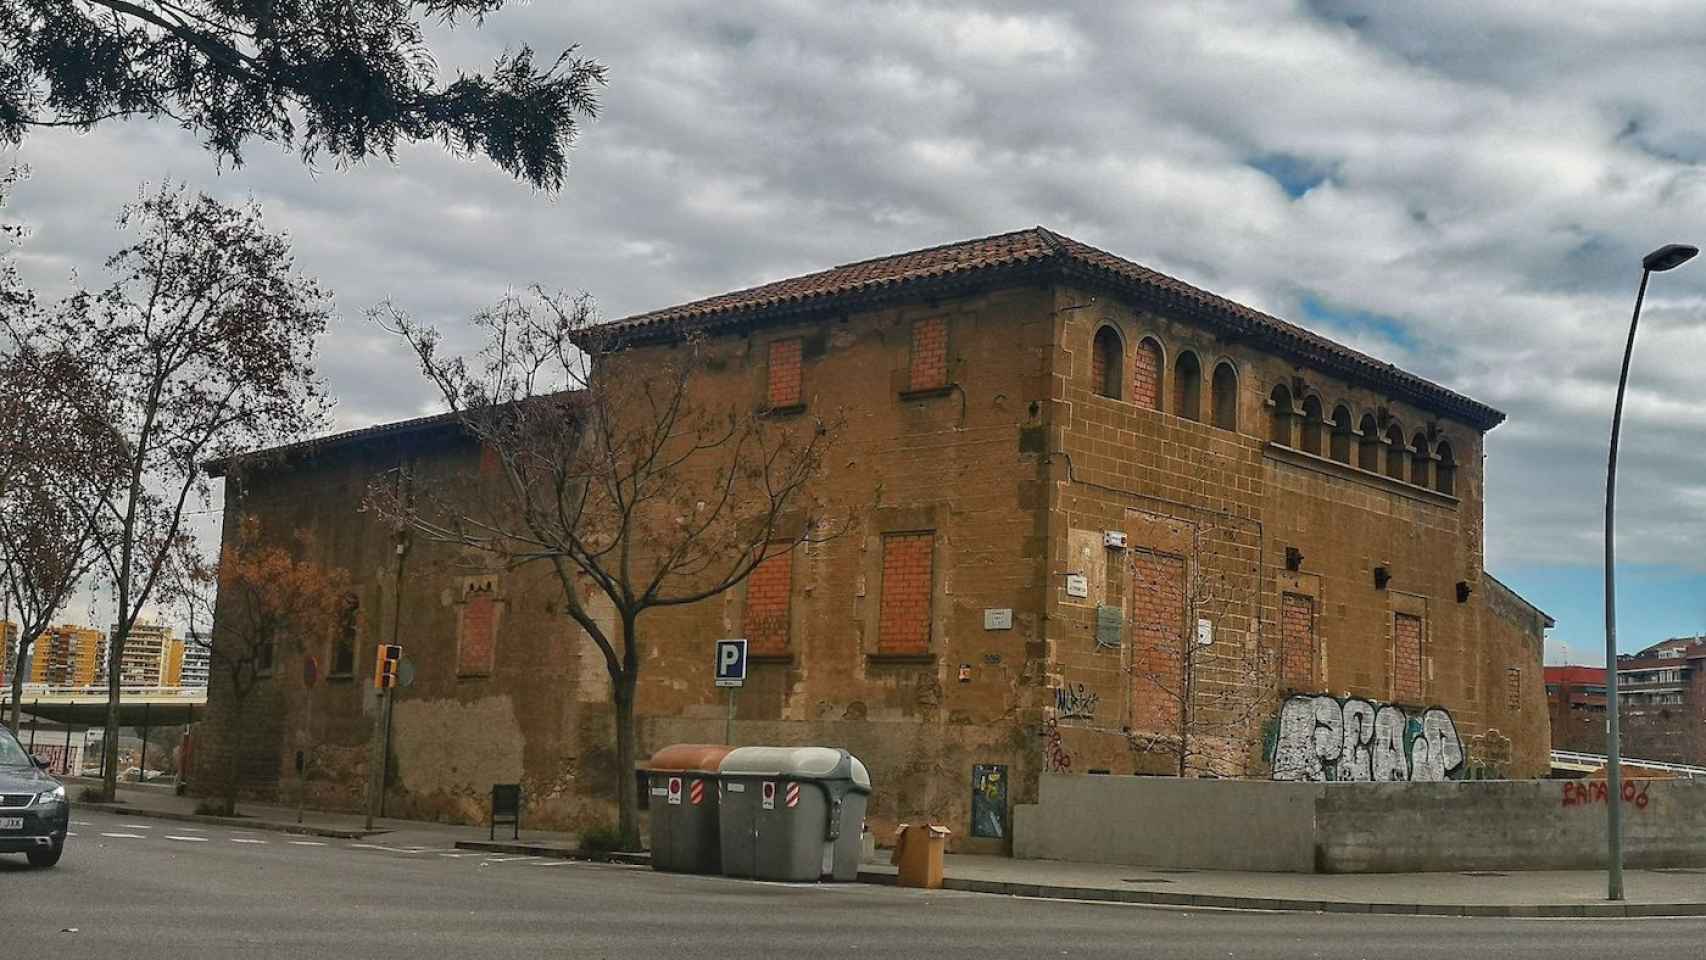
{"x":139,"y":888}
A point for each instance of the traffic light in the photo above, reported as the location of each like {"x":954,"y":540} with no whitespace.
{"x":385,"y":667}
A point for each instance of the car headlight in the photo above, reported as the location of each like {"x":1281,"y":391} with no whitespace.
{"x":56,"y":795}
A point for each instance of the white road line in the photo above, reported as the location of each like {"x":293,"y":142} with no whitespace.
{"x":555,"y":863}
{"x":81,"y":823}
{"x":456,"y":855}
{"x":187,"y":839}
{"x":71,"y":833}
{"x":127,"y":836}
{"x":245,"y":840}
{"x":375,"y":846}
{"x":136,"y":826}
{"x":509,"y":859}
{"x":306,"y":843}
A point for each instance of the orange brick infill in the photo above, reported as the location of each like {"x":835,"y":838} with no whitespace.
{"x":766,"y":615}
{"x":784,"y":372}
{"x":929,"y":353}
{"x":904,"y":621}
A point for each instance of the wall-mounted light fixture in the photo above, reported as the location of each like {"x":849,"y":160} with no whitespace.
{"x":1463,"y":591}
{"x":1382,"y":577}
{"x":1293,"y":559}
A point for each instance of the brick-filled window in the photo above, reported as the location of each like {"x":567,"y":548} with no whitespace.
{"x":929,"y":354}
{"x":1297,"y":642}
{"x":784,"y":373}
{"x":1146,"y":374}
{"x":343,"y":645}
{"x":1513,"y":688}
{"x":1407,"y":658}
{"x":903,"y":626}
{"x":1158,"y":641}
{"x":768,"y":591}
{"x":1107,"y":365}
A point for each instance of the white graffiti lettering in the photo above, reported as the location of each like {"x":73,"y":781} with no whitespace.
{"x":1322,"y":738}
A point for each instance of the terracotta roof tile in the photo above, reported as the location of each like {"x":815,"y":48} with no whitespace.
{"x":1041,"y":250}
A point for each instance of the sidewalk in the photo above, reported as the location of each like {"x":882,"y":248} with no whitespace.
{"x":151,"y":801}
{"x":1581,"y":893}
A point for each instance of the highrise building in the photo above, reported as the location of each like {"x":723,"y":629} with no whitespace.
{"x":66,"y":656}
{"x":194,"y":673}
{"x":152,"y":656}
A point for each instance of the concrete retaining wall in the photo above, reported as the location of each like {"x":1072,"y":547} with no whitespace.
{"x":1358,"y":827}
{"x":1167,"y":822}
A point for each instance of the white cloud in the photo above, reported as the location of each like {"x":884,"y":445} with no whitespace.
{"x":1493,"y":172}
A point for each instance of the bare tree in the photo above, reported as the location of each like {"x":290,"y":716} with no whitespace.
{"x":1211,"y":690}
{"x":253,"y":605}
{"x":205,"y":340}
{"x":57,"y":456}
{"x":615,"y":471}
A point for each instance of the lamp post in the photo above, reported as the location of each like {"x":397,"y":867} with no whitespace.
{"x":1667,"y":257}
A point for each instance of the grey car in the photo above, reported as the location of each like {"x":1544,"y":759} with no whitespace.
{"x":34,"y":814}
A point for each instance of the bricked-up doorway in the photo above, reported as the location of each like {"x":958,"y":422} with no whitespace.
{"x":1406,"y":658}
{"x":1158,"y":639}
{"x":1297,"y":642}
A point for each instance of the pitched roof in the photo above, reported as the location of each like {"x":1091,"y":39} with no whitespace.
{"x":1039,"y":253}
{"x":220,"y":466}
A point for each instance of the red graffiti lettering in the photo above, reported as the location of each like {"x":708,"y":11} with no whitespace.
{"x":1584,"y":792}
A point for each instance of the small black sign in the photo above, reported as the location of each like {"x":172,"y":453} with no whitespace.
{"x":506,"y":807}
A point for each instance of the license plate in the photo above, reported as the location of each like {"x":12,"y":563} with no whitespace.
{"x":11,"y":823}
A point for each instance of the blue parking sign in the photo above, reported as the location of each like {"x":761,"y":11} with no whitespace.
{"x":731,"y":663}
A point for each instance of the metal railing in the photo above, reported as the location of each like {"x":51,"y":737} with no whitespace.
{"x":43,"y":691}
{"x":1593,"y":761}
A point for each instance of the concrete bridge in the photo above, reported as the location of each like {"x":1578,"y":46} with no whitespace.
{"x":138,"y":706}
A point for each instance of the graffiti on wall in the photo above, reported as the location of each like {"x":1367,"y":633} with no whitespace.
{"x":989,"y":800}
{"x":1323,"y":738}
{"x":1055,"y":757}
{"x":1075,"y":701}
{"x":1588,"y":792}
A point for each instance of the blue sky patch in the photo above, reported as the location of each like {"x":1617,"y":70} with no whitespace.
{"x":1654,"y":603}
{"x":1296,"y":175}
{"x":1318,"y":313}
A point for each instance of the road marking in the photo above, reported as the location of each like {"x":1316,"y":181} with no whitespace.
{"x":245,"y":840}
{"x":136,"y":826}
{"x":127,"y":836}
{"x":509,"y":859}
{"x":71,"y":833}
{"x":81,"y":823}
{"x":555,"y":863}
{"x":306,"y":843}
{"x":187,"y":839}
{"x":455,"y":854}
{"x":375,"y":846}
{"x":192,"y":829}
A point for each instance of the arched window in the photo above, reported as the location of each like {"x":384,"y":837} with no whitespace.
{"x":1187,"y":387}
{"x":1224,"y":389}
{"x":1312,"y":425}
{"x":1107,"y":363}
{"x":1368,"y":451}
{"x":1146,"y":374}
{"x":1419,"y":460}
{"x":1279,"y":420}
{"x":1396,"y":452}
{"x":1445,"y":472}
{"x":1342,"y":433}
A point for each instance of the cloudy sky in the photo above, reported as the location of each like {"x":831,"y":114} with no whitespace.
{"x":1464,"y":188}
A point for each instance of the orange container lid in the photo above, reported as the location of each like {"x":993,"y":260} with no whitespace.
{"x":699,"y":757}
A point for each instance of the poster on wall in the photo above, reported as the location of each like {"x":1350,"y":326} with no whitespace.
{"x":989,"y":800}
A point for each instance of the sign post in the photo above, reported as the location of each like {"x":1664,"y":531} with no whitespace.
{"x":731,"y":673}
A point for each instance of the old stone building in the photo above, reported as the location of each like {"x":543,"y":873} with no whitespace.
{"x":1102,"y":521}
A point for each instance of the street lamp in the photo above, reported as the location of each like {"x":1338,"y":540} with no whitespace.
{"x":1667,"y":257}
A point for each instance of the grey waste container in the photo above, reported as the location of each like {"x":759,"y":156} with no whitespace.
{"x":683,"y":783}
{"x":793,"y":813}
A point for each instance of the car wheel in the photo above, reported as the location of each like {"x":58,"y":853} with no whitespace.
{"x":46,"y":857}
